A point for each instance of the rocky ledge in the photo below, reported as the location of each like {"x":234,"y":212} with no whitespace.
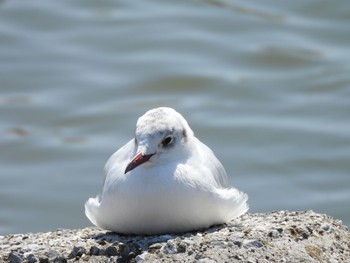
{"x":267,"y":237}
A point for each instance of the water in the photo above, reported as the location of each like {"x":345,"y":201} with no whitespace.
{"x":265,"y":85}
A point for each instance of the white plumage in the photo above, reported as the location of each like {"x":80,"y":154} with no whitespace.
{"x":164,"y":181}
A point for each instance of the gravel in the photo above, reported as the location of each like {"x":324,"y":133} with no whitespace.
{"x":280,"y":236}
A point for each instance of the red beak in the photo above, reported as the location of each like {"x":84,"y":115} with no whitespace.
{"x":137,"y":160}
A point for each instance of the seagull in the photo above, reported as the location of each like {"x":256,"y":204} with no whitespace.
{"x":164,"y":181}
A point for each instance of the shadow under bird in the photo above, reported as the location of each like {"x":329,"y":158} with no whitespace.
{"x":164,"y":181}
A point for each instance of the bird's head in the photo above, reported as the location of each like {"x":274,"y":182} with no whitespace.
{"x":162,"y":136}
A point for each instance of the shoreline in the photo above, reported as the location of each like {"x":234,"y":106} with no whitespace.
{"x":280,"y":236}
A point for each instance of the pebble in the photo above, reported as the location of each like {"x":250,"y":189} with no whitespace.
{"x":111,"y":251}
{"x":263,"y":237}
{"x":181,"y":247}
{"x":142,"y":257}
{"x":325,"y":227}
{"x":94,"y":251}
{"x":78,"y":251}
{"x":206,"y":260}
{"x":31,"y":258}
{"x":252,"y":244}
{"x":123,"y":250}
{"x":14,"y":258}
{"x":60,"y":259}
{"x":170,"y":247}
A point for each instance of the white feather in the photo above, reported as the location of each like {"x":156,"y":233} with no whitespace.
{"x":179,"y":189}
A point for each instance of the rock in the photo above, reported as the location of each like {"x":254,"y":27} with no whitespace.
{"x":181,"y":247}
{"x":142,"y":257}
{"x":94,"y":251}
{"x":44,"y":259}
{"x":60,"y":259}
{"x":123,"y":250}
{"x":252,"y":244}
{"x":266,"y":237}
{"x":78,"y":251}
{"x":170,"y":247}
{"x":31,"y":258}
{"x":15,"y":258}
{"x":111,"y":251}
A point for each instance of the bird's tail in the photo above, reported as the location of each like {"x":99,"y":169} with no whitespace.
{"x":91,"y":209}
{"x":242,"y":205}
{"x":236,"y":202}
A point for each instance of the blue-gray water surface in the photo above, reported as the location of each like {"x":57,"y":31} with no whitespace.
{"x":265,"y":84}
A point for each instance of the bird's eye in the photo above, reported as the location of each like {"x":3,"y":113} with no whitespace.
{"x":167,"y":140}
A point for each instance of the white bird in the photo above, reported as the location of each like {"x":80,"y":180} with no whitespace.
{"x":164,"y":181}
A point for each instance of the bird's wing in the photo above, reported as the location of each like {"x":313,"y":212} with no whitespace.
{"x":119,"y":160}
{"x":215,"y":167}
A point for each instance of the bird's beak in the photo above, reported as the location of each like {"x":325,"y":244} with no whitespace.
{"x":139,"y":159}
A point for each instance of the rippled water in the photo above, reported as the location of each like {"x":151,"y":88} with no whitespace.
{"x":265,"y":85}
